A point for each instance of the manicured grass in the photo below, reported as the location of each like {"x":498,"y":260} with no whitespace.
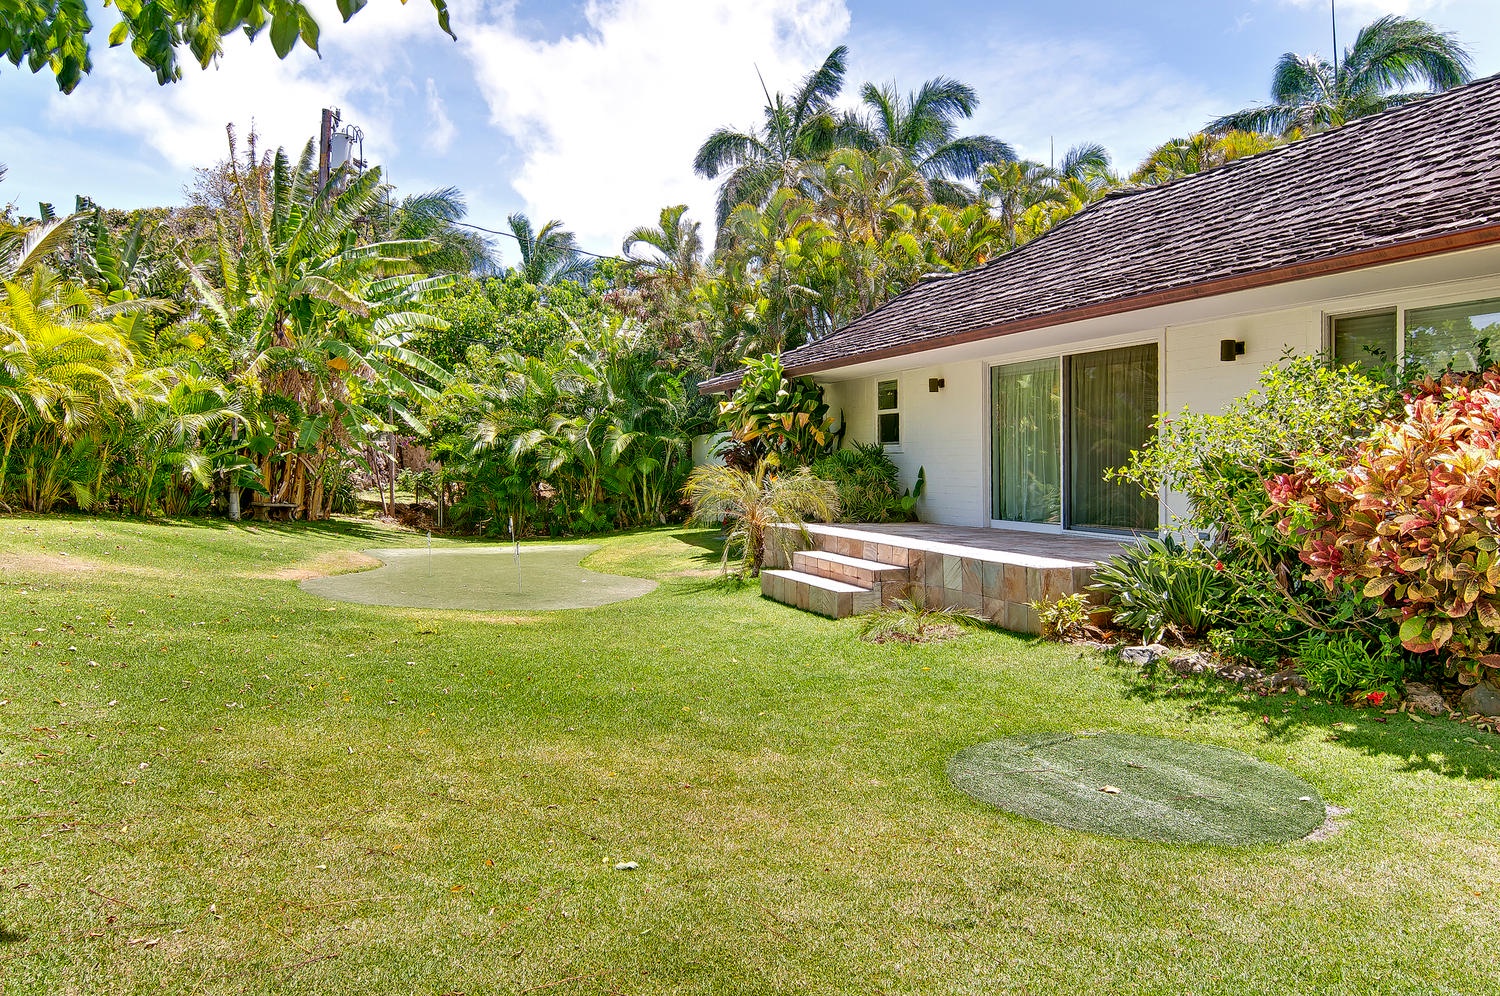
{"x":213,"y":782}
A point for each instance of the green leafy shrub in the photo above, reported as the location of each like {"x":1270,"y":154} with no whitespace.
{"x":869,"y":485}
{"x":1410,"y":519}
{"x":1063,"y":618}
{"x":1340,"y":666}
{"x":1162,"y":587}
{"x":772,"y":416}
{"x":1304,"y":416}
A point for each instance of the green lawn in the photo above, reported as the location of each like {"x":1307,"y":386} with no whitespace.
{"x":213,"y":782}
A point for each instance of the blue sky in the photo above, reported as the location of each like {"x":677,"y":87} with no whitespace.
{"x":590,"y":112}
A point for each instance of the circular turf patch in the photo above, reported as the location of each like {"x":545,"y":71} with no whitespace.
{"x":484,"y":579}
{"x":1146,"y":788}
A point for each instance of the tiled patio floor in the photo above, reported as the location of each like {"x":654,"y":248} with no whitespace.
{"x":1009,"y":545}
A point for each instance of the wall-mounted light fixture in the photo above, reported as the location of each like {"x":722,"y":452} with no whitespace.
{"x":1230,"y":348}
{"x":935,"y":384}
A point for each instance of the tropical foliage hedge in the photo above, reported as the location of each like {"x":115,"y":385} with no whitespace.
{"x":1341,"y":522}
{"x":1409,"y":517}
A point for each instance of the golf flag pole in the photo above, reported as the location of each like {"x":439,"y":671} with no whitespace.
{"x":515,"y":542}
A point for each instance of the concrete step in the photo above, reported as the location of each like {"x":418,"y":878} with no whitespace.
{"x":851,"y":570}
{"x":825,"y":596}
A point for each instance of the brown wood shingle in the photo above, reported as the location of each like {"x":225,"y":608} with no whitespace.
{"x":1420,"y":179}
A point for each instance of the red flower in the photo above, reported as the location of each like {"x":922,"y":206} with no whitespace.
{"x":1218,"y":565}
{"x":1375,"y":698}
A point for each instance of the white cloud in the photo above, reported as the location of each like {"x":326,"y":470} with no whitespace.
{"x":607,"y":119}
{"x":440,"y":130}
{"x":183,"y":122}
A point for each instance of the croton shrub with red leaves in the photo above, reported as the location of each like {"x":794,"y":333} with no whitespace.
{"x":1412,"y":518}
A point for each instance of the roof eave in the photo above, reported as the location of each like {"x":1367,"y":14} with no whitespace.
{"x":1397,"y":252}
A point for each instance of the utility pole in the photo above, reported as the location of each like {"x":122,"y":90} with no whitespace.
{"x":325,"y":144}
{"x":1333,"y":16}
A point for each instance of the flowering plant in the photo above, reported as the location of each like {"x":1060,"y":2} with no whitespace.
{"x":1411,"y":519}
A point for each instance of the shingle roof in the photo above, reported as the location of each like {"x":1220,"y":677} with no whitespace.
{"x":1416,"y":176}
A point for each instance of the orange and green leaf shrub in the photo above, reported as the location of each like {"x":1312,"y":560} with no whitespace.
{"x":1411,"y":518}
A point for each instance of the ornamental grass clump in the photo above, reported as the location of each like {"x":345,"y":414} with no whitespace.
{"x":759,"y":508}
{"x":1410,"y":519}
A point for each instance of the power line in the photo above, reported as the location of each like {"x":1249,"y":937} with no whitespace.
{"x":513,"y":235}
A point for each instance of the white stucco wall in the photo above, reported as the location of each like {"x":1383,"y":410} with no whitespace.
{"x":943,"y":433}
{"x":705,"y":448}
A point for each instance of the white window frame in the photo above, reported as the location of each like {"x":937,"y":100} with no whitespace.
{"x":1329,"y":317}
{"x":896,"y":446}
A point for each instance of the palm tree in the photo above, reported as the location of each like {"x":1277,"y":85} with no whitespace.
{"x":923,"y":127}
{"x":435,"y":216}
{"x":1087,"y":167}
{"x":958,"y":239}
{"x":548,"y":255}
{"x":1029,"y":197}
{"x":759,"y":507}
{"x":1181,"y":157}
{"x":61,"y":370}
{"x":26,"y":245}
{"x":763,"y":286}
{"x":1388,"y":57}
{"x":311,"y":324}
{"x":796,"y":130}
{"x":679,"y":247}
{"x":870,"y":203}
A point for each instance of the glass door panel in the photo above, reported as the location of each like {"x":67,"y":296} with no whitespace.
{"x":1112,"y":400}
{"x":1026,"y":434}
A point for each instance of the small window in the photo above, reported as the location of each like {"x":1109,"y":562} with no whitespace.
{"x":888,"y":413}
{"x":1368,"y":340}
{"x":1455,"y":336}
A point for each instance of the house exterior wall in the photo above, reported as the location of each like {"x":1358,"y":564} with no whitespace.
{"x":941,"y":434}
{"x":948,"y":434}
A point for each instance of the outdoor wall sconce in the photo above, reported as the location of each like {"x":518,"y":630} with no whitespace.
{"x":935,"y":384}
{"x":1230,"y":348}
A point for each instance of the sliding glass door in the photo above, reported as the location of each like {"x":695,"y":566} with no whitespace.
{"x":1057,"y":425}
{"x":1026,"y":410}
{"x":1112,"y":401}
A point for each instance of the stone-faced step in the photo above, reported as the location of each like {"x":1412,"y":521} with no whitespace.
{"x":852,"y":570}
{"x":825,"y":596}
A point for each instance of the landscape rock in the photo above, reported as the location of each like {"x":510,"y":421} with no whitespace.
{"x":1240,"y":674}
{"x":1143,"y":656}
{"x":1281,"y":681}
{"x":1424,"y":699}
{"x":1194,"y":663}
{"x":1483,"y":698}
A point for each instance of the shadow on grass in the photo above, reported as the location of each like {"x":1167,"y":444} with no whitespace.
{"x":355,"y":528}
{"x":8,"y":936}
{"x":706,"y":539}
{"x":1434,"y":744}
{"x":721,"y":583}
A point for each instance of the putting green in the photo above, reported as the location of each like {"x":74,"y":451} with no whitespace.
{"x":1165,"y":790}
{"x":485,"y":579}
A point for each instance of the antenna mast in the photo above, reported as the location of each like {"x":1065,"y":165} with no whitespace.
{"x":1333,"y":16}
